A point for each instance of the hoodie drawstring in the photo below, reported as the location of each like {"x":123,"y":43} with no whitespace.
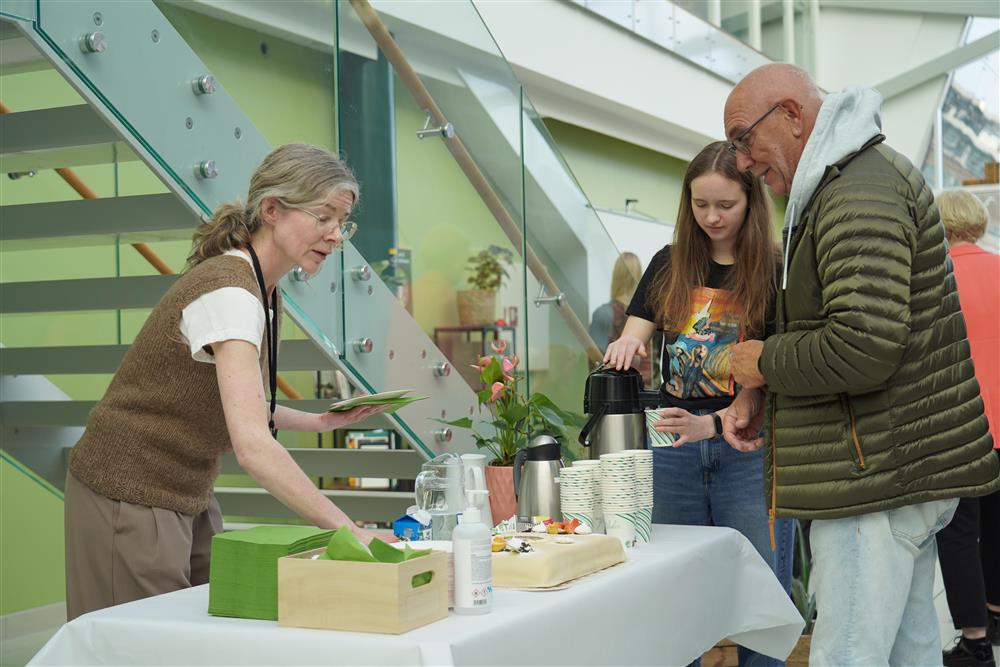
{"x":788,"y":244}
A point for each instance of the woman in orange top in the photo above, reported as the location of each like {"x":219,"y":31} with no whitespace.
{"x":969,"y":547}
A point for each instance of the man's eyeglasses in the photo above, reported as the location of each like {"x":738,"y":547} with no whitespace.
{"x":347,"y":228}
{"x":739,"y":142}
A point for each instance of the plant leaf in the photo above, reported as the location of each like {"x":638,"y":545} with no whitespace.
{"x":464,"y":422}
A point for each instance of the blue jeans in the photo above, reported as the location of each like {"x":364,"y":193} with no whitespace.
{"x":873,"y":575}
{"x":708,"y":483}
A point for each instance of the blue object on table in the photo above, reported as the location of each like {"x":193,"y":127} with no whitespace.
{"x":406,"y":527}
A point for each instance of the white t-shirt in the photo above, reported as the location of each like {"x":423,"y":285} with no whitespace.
{"x":228,"y":313}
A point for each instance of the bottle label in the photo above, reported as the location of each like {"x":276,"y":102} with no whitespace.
{"x":473,"y":573}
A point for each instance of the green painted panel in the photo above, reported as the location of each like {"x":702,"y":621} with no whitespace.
{"x":32,"y":570}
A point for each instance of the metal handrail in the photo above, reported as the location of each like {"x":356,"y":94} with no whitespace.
{"x":467,"y":164}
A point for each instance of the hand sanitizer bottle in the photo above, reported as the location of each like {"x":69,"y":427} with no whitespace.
{"x":473,"y":564}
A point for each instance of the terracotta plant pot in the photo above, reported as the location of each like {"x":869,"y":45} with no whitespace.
{"x":476,"y":307}
{"x":500,"y":482}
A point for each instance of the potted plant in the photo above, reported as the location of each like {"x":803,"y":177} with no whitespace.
{"x":512,"y":421}
{"x":478,"y":305}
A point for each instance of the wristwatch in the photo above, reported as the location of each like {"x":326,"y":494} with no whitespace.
{"x":718,"y":423}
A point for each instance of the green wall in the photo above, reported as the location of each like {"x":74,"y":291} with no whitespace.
{"x":31,"y":558}
{"x":610,"y":171}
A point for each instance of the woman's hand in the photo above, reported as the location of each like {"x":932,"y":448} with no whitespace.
{"x":621,"y":352}
{"x":329,"y":421}
{"x":690,"y":428}
{"x":366,"y":537}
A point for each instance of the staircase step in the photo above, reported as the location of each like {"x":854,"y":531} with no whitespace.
{"x":74,"y":413}
{"x":58,"y":137}
{"x":83,"y":294}
{"x":359,"y":505}
{"x":294,"y":355}
{"x":391,"y":463}
{"x":135,"y":219}
{"x":17,"y":54}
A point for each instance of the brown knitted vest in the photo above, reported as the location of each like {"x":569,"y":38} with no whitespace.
{"x":156,"y":436}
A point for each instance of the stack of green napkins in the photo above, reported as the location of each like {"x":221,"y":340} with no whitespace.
{"x":393,"y":400}
{"x":244,"y":571}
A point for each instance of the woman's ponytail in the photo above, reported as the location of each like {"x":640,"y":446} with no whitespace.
{"x":229,"y":227}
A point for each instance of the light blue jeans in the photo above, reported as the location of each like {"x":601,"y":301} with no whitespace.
{"x":873,"y":576}
{"x":708,"y":483}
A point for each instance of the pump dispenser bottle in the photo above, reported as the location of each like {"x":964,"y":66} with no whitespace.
{"x":473,"y":564}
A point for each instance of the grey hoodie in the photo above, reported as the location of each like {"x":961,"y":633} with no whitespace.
{"x":846,"y":121}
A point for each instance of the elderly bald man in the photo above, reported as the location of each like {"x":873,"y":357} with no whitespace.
{"x":873,"y":419}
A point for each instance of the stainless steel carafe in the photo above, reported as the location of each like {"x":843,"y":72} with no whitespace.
{"x":616,"y":403}
{"x":536,"y":480}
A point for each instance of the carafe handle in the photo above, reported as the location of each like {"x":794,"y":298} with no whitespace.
{"x":518,"y":462}
{"x":584,"y":438}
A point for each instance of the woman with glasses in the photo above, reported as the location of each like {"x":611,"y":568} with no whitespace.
{"x":140,"y":513}
{"x":710,"y":289}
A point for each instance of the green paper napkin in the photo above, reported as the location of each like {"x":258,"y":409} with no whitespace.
{"x":344,"y":545}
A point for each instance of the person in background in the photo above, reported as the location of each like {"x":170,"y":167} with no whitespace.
{"x":969,"y":546}
{"x":873,"y":422}
{"x":708,"y":290}
{"x":608,"y":320}
{"x":140,"y":513}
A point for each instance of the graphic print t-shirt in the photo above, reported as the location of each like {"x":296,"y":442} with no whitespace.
{"x":695,"y":360}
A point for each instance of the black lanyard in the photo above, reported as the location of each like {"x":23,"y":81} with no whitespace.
{"x":271,"y":333}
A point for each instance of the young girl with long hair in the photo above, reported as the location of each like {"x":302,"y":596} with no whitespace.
{"x":710,"y":289}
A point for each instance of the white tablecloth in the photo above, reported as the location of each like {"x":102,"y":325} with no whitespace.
{"x":671,"y":601}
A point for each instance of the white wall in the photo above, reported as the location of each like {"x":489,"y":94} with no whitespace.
{"x":863,"y":47}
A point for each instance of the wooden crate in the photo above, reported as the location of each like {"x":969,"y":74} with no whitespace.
{"x":362,"y":597}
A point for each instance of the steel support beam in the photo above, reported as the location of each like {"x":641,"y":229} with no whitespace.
{"x":939,"y":65}
{"x":74,"y":413}
{"x":84,"y":294}
{"x":294,"y":355}
{"x":361,"y":505}
{"x":391,"y":463}
{"x":988,"y":8}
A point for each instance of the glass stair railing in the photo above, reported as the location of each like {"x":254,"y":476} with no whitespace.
{"x":447,"y":69}
{"x":166,"y":152}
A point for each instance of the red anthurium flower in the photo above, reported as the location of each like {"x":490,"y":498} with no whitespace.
{"x":499,"y":346}
{"x":497,"y":388}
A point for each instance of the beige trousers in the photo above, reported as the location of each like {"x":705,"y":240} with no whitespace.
{"x":119,"y":552}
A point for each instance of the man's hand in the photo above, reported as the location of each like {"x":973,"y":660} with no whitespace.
{"x":743,"y":421}
{"x":621,"y":352}
{"x":743,"y":364}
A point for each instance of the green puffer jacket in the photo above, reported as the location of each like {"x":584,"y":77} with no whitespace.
{"x":872,"y":400}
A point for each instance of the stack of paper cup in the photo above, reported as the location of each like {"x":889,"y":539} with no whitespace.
{"x":576,"y":494}
{"x":643,"y":460}
{"x":618,"y":496}
{"x":595,"y":466}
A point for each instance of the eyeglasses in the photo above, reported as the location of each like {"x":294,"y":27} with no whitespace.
{"x":739,"y":142}
{"x":347,"y":228}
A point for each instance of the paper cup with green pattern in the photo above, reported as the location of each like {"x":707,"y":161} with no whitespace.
{"x":657,"y":438}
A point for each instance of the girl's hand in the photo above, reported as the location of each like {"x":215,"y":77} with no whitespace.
{"x":690,"y":428}
{"x":621,"y":352}
{"x":329,"y":421}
